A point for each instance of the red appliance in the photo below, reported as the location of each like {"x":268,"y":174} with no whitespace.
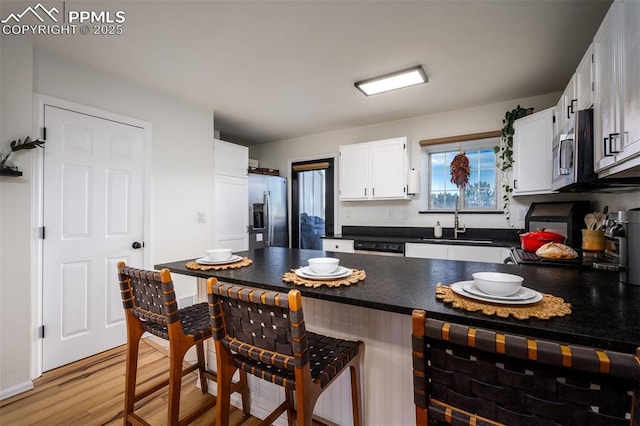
{"x":533,"y":240}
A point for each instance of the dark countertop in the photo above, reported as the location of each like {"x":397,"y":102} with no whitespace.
{"x":605,"y":313}
{"x":398,"y":234}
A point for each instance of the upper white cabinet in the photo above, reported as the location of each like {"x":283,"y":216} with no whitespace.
{"x":617,"y":89}
{"x":532,"y":149}
{"x":584,"y":81}
{"x":230,"y":159}
{"x":630,"y":70}
{"x":354,"y":165}
{"x":568,"y":102}
{"x":374,"y":170}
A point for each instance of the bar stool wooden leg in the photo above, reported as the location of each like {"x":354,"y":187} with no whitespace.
{"x":226,"y":370}
{"x":134,"y":333}
{"x":290,"y":409}
{"x":244,"y":383}
{"x":204,"y":387}
{"x":356,"y":396}
{"x":176,"y":358}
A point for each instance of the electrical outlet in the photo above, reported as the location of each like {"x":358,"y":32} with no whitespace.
{"x":522,"y":212}
{"x":202,"y":217}
{"x":405,"y":214}
{"x":348,"y":211}
{"x":389,"y":214}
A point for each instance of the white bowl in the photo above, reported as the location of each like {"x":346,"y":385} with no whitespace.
{"x":497,"y":283}
{"x":219,"y":254}
{"x":324,"y":265}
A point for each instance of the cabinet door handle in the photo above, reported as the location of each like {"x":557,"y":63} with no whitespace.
{"x":611,"y":143}
{"x":515,"y":184}
{"x":606,"y":148}
{"x":365,"y":192}
{"x":573,"y":111}
{"x":569,"y":111}
{"x":373,"y":192}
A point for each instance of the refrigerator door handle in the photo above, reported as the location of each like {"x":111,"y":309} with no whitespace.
{"x":267,"y":217}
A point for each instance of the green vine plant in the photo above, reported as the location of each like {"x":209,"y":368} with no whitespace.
{"x":19,"y":145}
{"x":504,"y":155}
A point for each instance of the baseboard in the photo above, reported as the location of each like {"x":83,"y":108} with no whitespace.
{"x":15,"y":390}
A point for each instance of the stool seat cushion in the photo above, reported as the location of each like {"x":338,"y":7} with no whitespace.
{"x":194,"y":319}
{"x":327,"y":357}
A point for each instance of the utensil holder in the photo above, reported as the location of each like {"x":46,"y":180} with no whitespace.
{"x":593,"y":240}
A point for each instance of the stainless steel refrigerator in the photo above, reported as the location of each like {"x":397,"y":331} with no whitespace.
{"x":268,"y":219}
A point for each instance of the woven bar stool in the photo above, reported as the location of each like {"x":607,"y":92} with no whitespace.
{"x":150,"y":306}
{"x":263,"y":333}
{"x":467,"y":375}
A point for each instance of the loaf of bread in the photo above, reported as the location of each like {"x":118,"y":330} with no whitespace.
{"x":556,"y":251}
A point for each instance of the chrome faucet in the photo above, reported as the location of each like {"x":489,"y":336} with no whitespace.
{"x":456,"y":224}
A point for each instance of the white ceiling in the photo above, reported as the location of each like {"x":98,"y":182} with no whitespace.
{"x":276,"y":70}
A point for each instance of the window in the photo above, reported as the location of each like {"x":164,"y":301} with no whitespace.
{"x":481,"y":192}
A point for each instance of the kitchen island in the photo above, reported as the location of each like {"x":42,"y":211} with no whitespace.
{"x":605,"y":314}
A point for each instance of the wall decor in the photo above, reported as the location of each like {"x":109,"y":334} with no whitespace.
{"x":6,"y":165}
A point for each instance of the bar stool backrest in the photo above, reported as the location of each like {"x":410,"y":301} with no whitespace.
{"x":260,"y":324}
{"x":462,"y":373}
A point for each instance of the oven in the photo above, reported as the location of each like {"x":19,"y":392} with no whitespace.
{"x":381,"y":248}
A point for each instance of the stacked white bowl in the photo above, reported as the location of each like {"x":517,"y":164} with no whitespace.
{"x":497,"y":283}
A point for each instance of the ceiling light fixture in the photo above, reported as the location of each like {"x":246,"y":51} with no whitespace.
{"x":395,"y":80}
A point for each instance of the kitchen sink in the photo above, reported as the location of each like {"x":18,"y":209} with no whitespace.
{"x":457,"y":240}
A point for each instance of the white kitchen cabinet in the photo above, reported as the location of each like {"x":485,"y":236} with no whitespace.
{"x":374,"y":170}
{"x":230,"y":159}
{"x":532,"y":143}
{"x":569,"y":102}
{"x":630,"y":69}
{"x":354,"y":172}
{"x":617,"y":89}
{"x":557,"y":113}
{"x":481,"y":254}
{"x":230,"y":196}
{"x":337,"y":245}
{"x":584,"y":81}
{"x":428,"y":251}
{"x":606,"y":103}
{"x":457,"y":252}
{"x":230,"y":219}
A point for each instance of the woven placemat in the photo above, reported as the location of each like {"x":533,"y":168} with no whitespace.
{"x":245,"y":261}
{"x":549,"y":306}
{"x":356,"y":276}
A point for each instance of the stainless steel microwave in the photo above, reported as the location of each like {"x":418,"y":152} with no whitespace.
{"x":573,"y":153}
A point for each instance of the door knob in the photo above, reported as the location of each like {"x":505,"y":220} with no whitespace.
{"x":136,"y":245}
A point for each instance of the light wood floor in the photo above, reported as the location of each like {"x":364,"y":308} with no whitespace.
{"x":91,"y":392}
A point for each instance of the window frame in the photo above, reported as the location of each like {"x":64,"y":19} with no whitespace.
{"x":466,"y":145}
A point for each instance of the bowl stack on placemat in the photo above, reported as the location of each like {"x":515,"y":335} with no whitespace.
{"x":324,"y":271}
{"x":219,"y":259}
{"x":495,"y":293}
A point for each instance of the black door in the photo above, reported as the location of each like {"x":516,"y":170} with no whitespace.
{"x":312,"y":203}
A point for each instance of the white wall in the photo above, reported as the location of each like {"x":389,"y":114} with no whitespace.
{"x":16,"y":111}
{"x":472,"y":120}
{"x":181,"y":180}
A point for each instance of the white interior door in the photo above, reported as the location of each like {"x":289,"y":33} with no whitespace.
{"x":93,"y":213}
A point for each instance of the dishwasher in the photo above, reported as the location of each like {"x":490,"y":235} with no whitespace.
{"x":380,"y":248}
